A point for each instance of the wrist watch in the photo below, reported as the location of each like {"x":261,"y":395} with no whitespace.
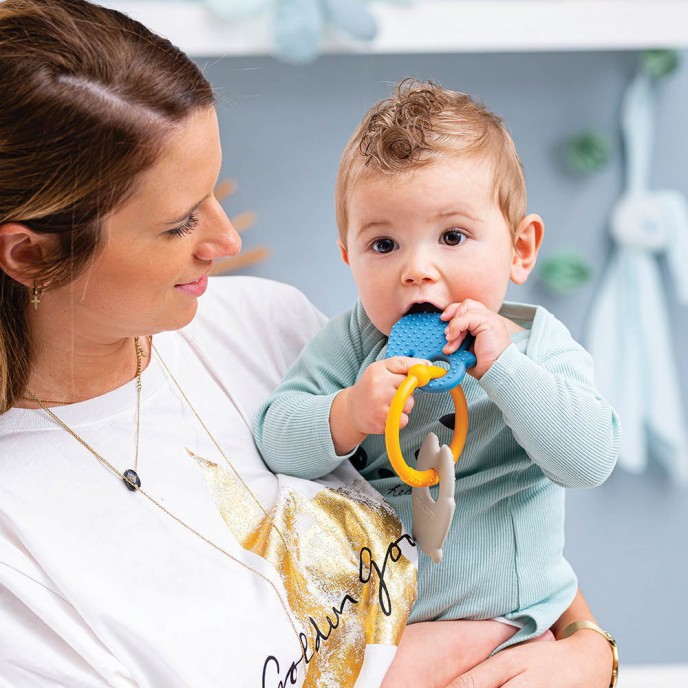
{"x":590,"y":626}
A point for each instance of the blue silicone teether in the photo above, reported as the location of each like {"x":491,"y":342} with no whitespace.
{"x":421,"y":335}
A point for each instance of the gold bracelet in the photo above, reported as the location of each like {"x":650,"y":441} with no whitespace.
{"x":590,"y":626}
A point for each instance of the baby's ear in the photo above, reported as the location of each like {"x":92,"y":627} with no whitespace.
{"x":343,"y":251}
{"x":527,"y":240}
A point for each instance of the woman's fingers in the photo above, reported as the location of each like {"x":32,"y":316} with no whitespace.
{"x":492,"y":673}
{"x":539,"y":665}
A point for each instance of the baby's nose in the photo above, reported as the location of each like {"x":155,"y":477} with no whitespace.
{"x":419,"y":268}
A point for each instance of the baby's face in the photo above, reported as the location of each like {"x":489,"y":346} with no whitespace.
{"x":436,"y":235}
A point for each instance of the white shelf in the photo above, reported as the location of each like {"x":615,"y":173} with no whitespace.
{"x":653,"y":676}
{"x":441,"y":26}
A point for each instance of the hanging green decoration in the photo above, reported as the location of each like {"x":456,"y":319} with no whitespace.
{"x":588,"y":151}
{"x":564,"y":272}
{"x":659,"y":63}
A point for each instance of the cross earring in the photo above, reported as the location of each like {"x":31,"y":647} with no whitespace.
{"x":36,"y":295}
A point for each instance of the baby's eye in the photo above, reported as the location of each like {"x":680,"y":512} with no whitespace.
{"x":452,"y":237}
{"x":385,"y":245}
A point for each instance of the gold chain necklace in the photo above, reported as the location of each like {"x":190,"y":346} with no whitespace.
{"x":215,"y":442}
{"x":136,"y":484}
{"x":130,"y":476}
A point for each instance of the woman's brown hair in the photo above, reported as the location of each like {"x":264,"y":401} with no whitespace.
{"x":87,"y":97}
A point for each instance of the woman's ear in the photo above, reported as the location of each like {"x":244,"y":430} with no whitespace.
{"x":20,"y":250}
{"x":343,"y":251}
{"x":527,"y":241}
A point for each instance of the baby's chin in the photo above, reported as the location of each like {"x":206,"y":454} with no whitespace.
{"x":384,"y":327}
{"x":383,"y":324}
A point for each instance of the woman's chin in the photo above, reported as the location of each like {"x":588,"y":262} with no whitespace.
{"x":179,"y":319}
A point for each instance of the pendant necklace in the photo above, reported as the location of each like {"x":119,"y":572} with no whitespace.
{"x":130,"y":477}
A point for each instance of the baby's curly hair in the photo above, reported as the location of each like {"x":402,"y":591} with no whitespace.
{"x":423,"y":123}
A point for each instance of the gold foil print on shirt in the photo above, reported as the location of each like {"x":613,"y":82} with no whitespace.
{"x":347,"y":582}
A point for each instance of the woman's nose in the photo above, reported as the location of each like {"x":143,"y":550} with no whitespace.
{"x":220,"y":239}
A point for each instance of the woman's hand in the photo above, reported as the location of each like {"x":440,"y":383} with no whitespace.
{"x":581,"y":661}
{"x":432,"y":653}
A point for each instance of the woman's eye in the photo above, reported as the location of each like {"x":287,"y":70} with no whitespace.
{"x":453,"y":237}
{"x":383,"y":245}
{"x":186,"y":227}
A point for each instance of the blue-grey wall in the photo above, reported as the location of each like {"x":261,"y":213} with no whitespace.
{"x":283,"y":129}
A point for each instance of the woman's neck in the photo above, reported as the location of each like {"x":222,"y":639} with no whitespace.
{"x":77,"y":370}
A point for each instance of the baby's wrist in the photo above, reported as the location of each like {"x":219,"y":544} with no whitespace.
{"x":345,"y":436}
{"x":486,"y":362}
{"x":501,"y":365}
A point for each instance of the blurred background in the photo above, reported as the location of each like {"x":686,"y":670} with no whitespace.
{"x":284,"y":123}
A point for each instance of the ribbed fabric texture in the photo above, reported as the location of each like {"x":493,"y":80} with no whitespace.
{"x":536,"y":424}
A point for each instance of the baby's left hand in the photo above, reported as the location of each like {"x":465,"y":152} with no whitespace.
{"x":489,"y":329}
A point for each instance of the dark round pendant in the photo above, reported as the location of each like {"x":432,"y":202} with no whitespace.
{"x":131,"y":479}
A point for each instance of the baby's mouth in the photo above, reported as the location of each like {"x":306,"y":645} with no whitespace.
{"x":424,"y":307}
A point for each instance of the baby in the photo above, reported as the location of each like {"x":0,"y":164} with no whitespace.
{"x":431,"y":210}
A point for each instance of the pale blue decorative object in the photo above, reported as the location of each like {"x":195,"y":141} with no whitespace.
{"x":421,"y":335}
{"x":630,"y":331}
{"x":238,"y":9}
{"x":352,"y":18}
{"x":298,"y":26}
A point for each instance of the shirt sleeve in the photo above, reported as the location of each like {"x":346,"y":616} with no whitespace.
{"x":555,"y":412}
{"x":292,"y":428}
{"x":44,"y":643}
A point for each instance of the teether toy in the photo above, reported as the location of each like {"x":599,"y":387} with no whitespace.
{"x":421,"y":335}
{"x":419,"y":376}
{"x":432,"y":518}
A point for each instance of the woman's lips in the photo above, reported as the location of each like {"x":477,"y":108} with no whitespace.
{"x":196,"y":288}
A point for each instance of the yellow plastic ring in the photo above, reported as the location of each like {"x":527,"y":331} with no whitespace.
{"x":418,"y":376}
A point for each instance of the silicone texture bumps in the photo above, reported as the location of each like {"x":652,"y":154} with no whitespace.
{"x":421,"y":335}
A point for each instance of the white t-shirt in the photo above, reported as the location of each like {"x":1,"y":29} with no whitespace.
{"x":99,"y":586}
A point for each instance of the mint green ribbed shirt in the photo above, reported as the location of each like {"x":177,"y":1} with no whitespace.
{"x":536,"y":425}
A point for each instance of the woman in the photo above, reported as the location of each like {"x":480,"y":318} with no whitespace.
{"x":142,"y":541}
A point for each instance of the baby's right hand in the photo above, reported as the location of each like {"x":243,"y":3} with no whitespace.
{"x":362,"y":409}
{"x":369,"y":399}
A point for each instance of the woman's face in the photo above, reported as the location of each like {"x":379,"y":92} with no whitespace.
{"x":158,"y":247}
